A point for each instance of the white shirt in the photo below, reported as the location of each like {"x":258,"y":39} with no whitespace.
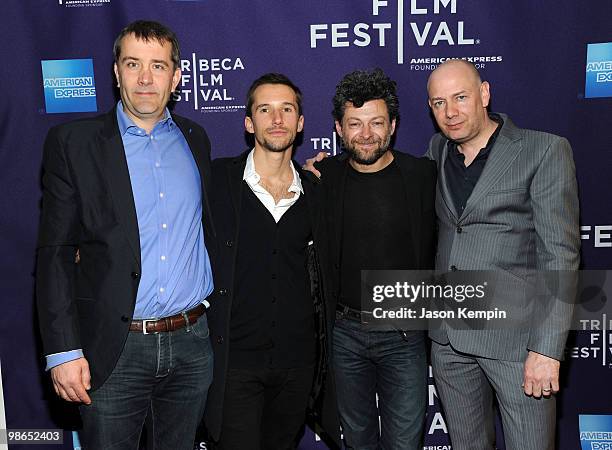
{"x":276,"y":209}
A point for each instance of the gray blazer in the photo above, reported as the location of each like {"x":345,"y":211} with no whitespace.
{"x":522,"y":215}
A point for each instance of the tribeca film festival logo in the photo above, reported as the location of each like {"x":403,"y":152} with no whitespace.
{"x":599,"y":346}
{"x":593,"y":318}
{"x":203,"y":83}
{"x":598,"y":70}
{"x":69,"y":85}
{"x":83,"y":3}
{"x":381,"y":34}
{"x":595,"y":432}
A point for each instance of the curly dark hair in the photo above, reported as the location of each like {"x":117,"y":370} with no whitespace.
{"x":361,"y":86}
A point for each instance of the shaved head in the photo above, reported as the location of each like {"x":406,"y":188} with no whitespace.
{"x":459,"y":99}
{"x":455,"y":67}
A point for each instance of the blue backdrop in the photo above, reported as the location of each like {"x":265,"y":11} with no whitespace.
{"x":539,"y":57}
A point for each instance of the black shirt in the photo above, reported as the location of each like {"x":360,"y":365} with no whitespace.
{"x":376,"y":229}
{"x":461,"y":179}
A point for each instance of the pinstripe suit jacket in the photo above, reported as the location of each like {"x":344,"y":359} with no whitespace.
{"x":522,"y":215}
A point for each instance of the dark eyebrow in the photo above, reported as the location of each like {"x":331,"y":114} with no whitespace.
{"x":267,"y":104}
{"x":133,"y":58}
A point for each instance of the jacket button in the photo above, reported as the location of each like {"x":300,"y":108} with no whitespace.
{"x":135,"y":275}
{"x":219,"y":339}
{"x":222,"y":291}
{"x":453,"y":268}
{"x":229,"y":243}
{"x":459,"y":229}
{"x":124,"y":318}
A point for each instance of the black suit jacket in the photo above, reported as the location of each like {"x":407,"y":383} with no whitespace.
{"x":419,"y":177}
{"x":88,"y":205}
{"x":228,"y":186}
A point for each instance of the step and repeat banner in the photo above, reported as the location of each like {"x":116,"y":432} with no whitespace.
{"x":549,"y":64}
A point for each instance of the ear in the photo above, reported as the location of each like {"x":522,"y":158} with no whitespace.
{"x":392,"y":127}
{"x":485,"y":93}
{"x":338,"y":128}
{"x":176,"y":78}
{"x":248,"y":125}
{"x":300,"y":124}
{"x":116,"y":73}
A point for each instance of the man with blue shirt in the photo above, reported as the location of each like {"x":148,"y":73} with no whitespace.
{"x":123,"y":266}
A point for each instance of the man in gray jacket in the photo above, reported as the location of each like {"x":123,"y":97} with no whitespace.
{"x":506,"y":201}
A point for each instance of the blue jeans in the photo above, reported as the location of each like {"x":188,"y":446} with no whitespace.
{"x":166,"y":373}
{"x":387,"y":363}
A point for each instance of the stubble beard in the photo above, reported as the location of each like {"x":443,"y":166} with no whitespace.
{"x":364,"y":158}
{"x":279,"y":146}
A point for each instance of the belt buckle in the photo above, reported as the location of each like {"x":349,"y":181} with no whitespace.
{"x":144,"y":326}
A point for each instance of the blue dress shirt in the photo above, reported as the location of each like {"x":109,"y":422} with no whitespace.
{"x":176,"y":273}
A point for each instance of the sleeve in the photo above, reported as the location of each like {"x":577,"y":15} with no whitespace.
{"x":58,"y":239}
{"x":430,"y":231}
{"x":554,"y":199}
{"x":60,"y":358}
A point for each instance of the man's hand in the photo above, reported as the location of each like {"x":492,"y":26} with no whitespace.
{"x":541,"y":377}
{"x":309,"y":166}
{"x":71,"y":380}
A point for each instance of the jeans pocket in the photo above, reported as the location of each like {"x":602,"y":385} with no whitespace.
{"x":200,"y":328}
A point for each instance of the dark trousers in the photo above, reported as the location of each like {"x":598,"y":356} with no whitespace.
{"x":264,"y":409}
{"x":380,"y":373}
{"x":167,"y":374}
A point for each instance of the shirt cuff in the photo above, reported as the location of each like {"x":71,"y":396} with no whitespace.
{"x":56,"y":359}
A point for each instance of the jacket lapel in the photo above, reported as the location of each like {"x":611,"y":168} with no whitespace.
{"x":446,"y":197}
{"x":504,"y":152}
{"x":114,"y":163}
{"x":203,"y":164}
{"x":412,"y":189}
{"x":338,"y":204}
{"x":235,"y":173}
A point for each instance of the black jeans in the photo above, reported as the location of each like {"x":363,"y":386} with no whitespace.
{"x":264,"y":409}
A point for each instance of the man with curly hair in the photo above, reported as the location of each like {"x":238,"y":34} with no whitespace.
{"x":380,"y":213}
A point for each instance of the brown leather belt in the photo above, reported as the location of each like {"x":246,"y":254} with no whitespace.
{"x":170,"y":323}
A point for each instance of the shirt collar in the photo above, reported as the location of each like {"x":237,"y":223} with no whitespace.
{"x":127,"y":125}
{"x":251,"y":176}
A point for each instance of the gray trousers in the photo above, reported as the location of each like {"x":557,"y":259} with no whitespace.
{"x":466,"y":385}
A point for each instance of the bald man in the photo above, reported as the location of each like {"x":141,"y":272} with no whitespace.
{"x":506,"y":201}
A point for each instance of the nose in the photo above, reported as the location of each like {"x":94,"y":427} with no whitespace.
{"x":145,"y":76}
{"x":277,"y":116}
{"x":450,"y":110}
{"x":366,"y":131}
